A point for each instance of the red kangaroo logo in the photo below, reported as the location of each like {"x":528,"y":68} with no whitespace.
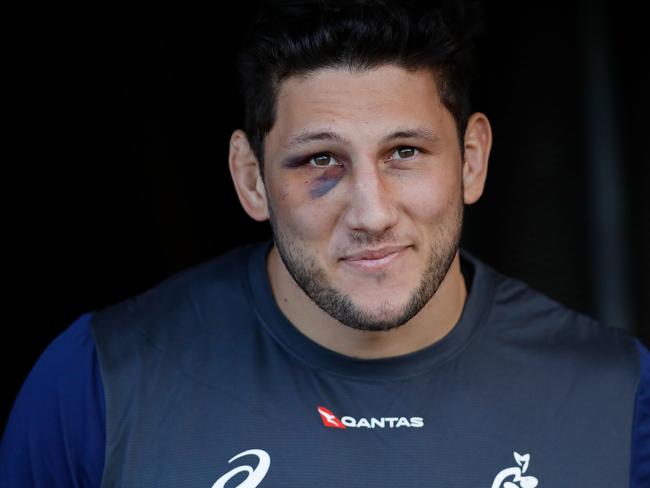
{"x":329,"y":419}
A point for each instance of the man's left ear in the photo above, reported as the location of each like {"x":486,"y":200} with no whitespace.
{"x":478,"y":142}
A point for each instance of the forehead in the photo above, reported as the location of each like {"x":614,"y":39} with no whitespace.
{"x":358,"y":105}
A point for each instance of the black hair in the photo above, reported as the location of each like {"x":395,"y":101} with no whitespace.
{"x":298,"y":37}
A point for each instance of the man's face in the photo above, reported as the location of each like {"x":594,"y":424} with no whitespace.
{"x":363,"y":178}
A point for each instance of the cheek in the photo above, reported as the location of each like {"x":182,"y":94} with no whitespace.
{"x":431,"y":198}
{"x":301,"y":212}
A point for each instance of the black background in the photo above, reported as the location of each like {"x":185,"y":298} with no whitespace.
{"x":116,"y":160}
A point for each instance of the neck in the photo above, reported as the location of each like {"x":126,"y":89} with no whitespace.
{"x":429,"y":325}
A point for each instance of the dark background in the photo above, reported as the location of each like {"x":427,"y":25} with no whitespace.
{"x":120,"y":115}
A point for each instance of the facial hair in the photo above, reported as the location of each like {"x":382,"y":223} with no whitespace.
{"x":312,"y":279}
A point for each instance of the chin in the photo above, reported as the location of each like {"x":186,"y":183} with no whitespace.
{"x":374,"y":314}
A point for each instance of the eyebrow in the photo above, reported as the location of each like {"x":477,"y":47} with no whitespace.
{"x":306,"y":136}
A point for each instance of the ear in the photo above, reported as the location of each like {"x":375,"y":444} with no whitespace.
{"x":478,"y":142}
{"x":245,"y":173}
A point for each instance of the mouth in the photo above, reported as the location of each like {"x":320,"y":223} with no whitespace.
{"x":375,"y":260}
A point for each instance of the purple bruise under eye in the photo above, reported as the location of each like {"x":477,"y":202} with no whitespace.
{"x":324,"y":183}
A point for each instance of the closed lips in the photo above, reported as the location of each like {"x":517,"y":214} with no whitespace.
{"x":374,"y":254}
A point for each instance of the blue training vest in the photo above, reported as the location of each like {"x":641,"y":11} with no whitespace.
{"x":208,"y":385}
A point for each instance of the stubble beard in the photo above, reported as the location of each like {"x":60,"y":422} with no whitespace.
{"x":311,"y":278}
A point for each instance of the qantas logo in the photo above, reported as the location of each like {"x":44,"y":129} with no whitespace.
{"x":332,"y":421}
{"x":329,"y":419}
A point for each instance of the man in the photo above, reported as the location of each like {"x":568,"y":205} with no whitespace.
{"x":360,"y":347}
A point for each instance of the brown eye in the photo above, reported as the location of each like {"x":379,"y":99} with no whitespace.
{"x":322,"y":160}
{"x":405,"y":152}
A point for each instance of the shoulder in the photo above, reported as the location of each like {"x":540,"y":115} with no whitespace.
{"x":640,"y":466}
{"x":606,"y":365}
{"x":530,"y":313}
{"x":223,"y":275}
{"x":220,"y":281}
{"x":56,"y":427}
{"x":177,"y":318}
{"x":553,"y":336}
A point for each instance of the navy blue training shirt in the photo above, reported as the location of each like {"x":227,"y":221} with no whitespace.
{"x":202,"y":381}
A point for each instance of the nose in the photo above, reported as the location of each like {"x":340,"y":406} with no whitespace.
{"x":371,"y":208}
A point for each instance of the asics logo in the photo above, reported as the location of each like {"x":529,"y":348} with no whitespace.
{"x":255,"y":475}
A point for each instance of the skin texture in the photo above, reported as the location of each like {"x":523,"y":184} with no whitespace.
{"x":336,"y":195}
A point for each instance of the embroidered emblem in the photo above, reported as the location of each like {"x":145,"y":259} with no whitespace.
{"x":514,"y":477}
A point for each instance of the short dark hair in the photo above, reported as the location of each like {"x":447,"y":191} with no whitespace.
{"x":298,"y":37}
